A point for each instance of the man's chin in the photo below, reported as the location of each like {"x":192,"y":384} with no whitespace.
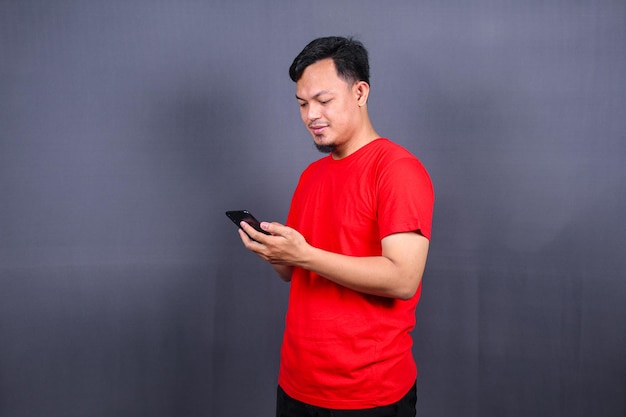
{"x":326,"y":148}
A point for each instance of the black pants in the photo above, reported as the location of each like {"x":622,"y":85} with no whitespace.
{"x":289,"y":407}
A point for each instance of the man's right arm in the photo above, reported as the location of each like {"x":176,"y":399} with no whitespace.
{"x":283,"y":271}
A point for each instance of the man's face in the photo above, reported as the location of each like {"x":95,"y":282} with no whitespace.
{"x":328,"y":105}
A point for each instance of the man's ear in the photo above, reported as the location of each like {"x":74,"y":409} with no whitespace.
{"x":361,"y":90}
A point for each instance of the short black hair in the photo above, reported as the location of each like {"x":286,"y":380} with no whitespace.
{"x":348,"y":54}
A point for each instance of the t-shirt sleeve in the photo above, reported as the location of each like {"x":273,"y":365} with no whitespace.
{"x":405,"y":198}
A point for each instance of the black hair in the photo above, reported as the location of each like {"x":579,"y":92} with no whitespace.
{"x":349,"y":55}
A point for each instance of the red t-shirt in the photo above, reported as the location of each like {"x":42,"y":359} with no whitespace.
{"x":343,"y":349}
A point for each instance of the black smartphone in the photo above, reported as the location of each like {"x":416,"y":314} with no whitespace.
{"x":238,"y":216}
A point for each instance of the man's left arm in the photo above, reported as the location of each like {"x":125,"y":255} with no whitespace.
{"x":397,"y":273}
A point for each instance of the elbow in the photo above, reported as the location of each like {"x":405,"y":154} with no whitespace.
{"x":406,"y":295}
{"x":408,"y":290}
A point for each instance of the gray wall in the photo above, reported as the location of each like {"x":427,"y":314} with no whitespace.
{"x":127,"y":128}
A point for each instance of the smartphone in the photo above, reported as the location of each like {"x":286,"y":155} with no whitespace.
{"x":238,"y":216}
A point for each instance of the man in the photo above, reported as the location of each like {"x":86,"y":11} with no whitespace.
{"x":354,"y":249}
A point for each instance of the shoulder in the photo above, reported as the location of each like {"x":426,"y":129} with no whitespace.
{"x":398,"y":167}
{"x":388,"y":150}
{"x":390,"y":154}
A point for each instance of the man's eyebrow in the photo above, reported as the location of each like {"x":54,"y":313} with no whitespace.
{"x":316,"y":95}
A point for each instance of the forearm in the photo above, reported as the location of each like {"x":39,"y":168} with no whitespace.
{"x":373,"y":275}
{"x":376,"y":275}
{"x":397,"y":273}
{"x":283,"y":271}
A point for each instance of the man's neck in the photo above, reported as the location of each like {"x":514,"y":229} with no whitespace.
{"x":361,"y":139}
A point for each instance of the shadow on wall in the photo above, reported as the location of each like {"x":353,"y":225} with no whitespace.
{"x":550,"y":316}
{"x":527,"y":248}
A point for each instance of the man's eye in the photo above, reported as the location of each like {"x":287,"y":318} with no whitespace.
{"x":302,"y":104}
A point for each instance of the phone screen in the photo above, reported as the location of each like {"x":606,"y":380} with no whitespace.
{"x":238,"y":216}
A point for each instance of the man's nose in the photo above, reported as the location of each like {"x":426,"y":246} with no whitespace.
{"x":313,"y":112}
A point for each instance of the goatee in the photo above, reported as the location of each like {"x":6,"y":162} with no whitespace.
{"x":330,"y":148}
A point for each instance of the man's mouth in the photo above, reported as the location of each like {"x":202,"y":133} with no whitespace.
{"x":317,"y":129}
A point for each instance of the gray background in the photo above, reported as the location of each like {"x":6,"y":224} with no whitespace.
{"x":127,"y":128}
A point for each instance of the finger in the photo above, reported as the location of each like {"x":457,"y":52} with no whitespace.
{"x":244,"y":237}
{"x":253,"y":234}
{"x":273,"y":228}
